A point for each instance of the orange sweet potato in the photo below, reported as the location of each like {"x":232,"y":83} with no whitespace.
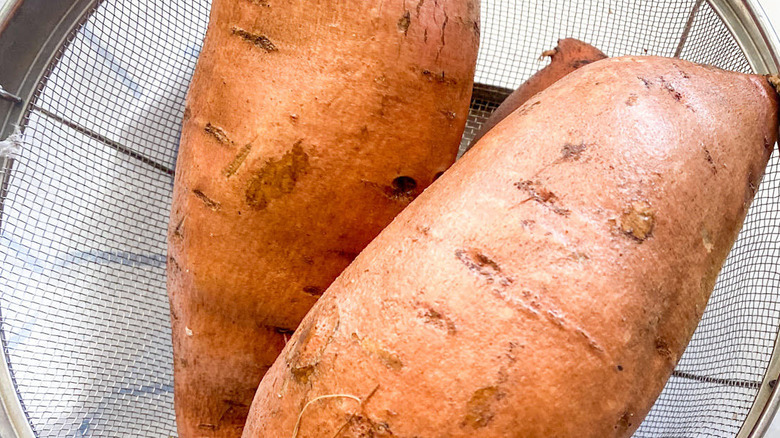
{"x":569,"y":55}
{"x":548,"y":283}
{"x":308,"y":127}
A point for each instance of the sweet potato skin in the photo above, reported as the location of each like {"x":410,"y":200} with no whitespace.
{"x":548,"y":283}
{"x":308,"y":127}
{"x":569,"y":55}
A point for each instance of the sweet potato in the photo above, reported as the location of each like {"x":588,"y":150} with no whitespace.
{"x":569,"y":55}
{"x":548,"y":283}
{"x":308,"y":127}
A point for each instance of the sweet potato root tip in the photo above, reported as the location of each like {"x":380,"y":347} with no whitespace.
{"x":774,"y":80}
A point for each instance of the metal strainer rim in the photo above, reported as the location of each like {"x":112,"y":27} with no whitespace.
{"x":745,"y":19}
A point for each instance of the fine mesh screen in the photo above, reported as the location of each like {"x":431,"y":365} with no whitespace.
{"x":82,"y":239}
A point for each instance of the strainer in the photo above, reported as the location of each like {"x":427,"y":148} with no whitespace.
{"x":97,"y":89}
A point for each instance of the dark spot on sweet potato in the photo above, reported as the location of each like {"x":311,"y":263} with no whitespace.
{"x":767,"y":145}
{"x":483,"y":266}
{"x":404,"y":22}
{"x":187,"y":114}
{"x":637,"y":221}
{"x":662,"y":348}
{"x":624,"y":422}
{"x":580,"y":63}
{"x":437,"y":320}
{"x":360,"y":426}
{"x":258,"y":40}
{"x":479,"y":409}
{"x":207,"y":426}
{"x":572,"y":151}
{"x":438,"y":77}
{"x":277,"y":177}
{"x":313,"y":290}
{"x":708,"y":157}
{"x":231,"y":168}
{"x":620,"y":367}
{"x":208,"y":202}
{"x":420,"y":4}
{"x":218,"y":133}
{"x":402,"y":188}
{"x":349,"y":255}
{"x":173,"y":264}
{"x":645,"y":81}
{"x":542,"y":195}
{"x":302,"y":374}
{"x":178,"y":232}
{"x":261,"y":3}
{"x":438,"y":175}
{"x":632,"y":98}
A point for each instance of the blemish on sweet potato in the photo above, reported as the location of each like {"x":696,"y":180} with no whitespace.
{"x":387,"y":357}
{"x":450,"y":115}
{"x":670,"y":88}
{"x":708,"y":157}
{"x":543,"y":196}
{"x":420,"y":4}
{"x":178,"y":232}
{"x":302,"y":374}
{"x":231,"y":168}
{"x":402,"y":188}
{"x":582,"y":62}
{"x":258,"y":40}
{"x":174,"y":265}
{"x":572,"y":152}
{"x":218,"y":133}
{"x":637,"y":221}
{"x":277,"y":177}
{"x":440,"y":77}
{"x":261,"y":3}
{"x":645,"y":81}
{"x":404,"y":22}
{"x":662,"y":348}
{"x":208,"y":202}
{"x":624,"y":422}
{"x":207,"y":426}
{"x":479,"y":409}
{"x":360,"y":426}
{"x":313,"y":290}
{"x":437,"y":320}
{"x":483,"y":266}
{"x":632,"y":98}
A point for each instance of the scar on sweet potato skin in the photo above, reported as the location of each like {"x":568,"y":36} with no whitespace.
{"x":277,"y":177}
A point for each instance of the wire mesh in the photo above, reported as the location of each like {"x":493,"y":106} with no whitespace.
{"x":84,"y":312}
